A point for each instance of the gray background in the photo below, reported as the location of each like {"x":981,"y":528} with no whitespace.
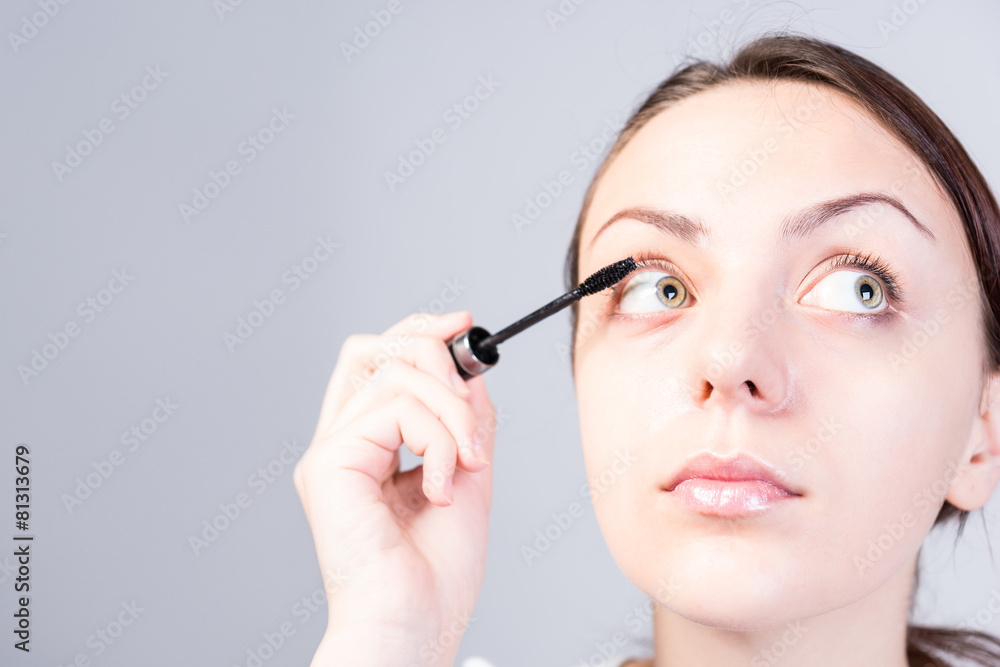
{"x":445,"y":232}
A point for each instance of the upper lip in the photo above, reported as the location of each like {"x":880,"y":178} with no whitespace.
{"x":739,"y":467}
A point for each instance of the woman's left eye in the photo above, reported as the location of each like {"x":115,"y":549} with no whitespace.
{"x":652,"y":290}
{"x":850,"y":291}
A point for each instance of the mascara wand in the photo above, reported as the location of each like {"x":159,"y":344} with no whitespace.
{"x":475,"y":349}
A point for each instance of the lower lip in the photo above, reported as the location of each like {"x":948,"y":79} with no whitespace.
{"x":729,"y":499}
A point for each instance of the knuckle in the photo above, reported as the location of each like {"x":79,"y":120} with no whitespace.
{"x":316,"y":461}
{"x":348,"y":346}
{"x":426,"y":348}
{"x":407,"y":401}
{"x":353,"y":343}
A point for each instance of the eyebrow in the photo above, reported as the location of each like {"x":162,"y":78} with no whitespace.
{"x":795,"y":226}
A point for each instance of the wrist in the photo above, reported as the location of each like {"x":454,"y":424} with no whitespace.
{"x":383,"y":646}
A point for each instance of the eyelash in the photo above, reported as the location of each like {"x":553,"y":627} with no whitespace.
{"x":877,"y":266}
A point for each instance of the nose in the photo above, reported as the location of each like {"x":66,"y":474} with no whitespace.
{"x":741,"y":355}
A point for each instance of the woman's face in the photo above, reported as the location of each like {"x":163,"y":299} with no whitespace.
{"x":859,"y":395}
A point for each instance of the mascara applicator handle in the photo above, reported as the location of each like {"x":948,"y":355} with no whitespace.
{"x":472,"y":358}
{"x":475,"y":349}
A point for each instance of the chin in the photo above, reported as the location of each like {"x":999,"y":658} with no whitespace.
{"x":730,"y":589}
{"x":750,"y":618}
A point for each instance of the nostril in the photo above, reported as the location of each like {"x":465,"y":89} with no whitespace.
{"x":706,"y":391}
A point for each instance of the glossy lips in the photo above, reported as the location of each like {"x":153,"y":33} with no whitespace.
{"x":730,"y":487}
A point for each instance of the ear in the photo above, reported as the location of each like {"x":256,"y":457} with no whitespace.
{"x":980,"y":462}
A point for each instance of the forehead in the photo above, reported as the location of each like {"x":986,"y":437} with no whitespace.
{"x":759,"y":149}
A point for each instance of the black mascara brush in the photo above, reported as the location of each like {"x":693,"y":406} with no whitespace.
{"x":475,"y":349}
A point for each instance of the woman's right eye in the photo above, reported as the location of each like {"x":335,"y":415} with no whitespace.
{"x":652,"y":291}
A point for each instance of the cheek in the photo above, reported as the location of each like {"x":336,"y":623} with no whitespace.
{"x":922,"y":404}
{"x":614,"y":408}
{"x":880,"y":476}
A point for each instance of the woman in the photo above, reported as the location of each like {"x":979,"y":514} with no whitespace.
{"x":817,"y":306}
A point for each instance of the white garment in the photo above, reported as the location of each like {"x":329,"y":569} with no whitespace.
{"x":629,"y":654}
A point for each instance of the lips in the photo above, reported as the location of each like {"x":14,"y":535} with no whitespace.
{"x":739,"y":468}
{"x":734,"y":487}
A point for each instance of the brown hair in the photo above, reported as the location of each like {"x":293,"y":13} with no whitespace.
{"x":790,"y":57}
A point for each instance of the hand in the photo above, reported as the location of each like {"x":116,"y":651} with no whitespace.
{"x":402,"y":563}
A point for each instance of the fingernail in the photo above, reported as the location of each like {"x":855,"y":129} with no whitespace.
{"x":448,"y":487}
{"x":479,"y":450}
{"x":458,"y":382}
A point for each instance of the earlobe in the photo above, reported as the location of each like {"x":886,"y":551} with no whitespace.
{"x":980,"y":463}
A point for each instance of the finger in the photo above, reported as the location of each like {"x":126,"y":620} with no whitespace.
{"x":454,"y":412}
{"x":351,"y":467}
{"x":369,"y":445}
{"x":427,"y":354}
{"x":439,"y":471}
{"x":486,"y":417}
{"x":424,"y":327}
{"x":362,"y":355}
{"x":428,"y":324}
